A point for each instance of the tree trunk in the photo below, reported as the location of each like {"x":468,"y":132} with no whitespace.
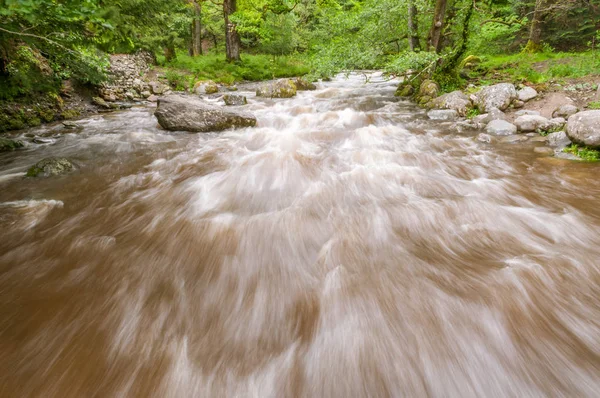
{"x":437,"y":27}
{"x":170,"y":54}
{"x":232,"y":39}
{"x":534,"y":44}
{"x":413,"y":29}
{"x":197,"y":29}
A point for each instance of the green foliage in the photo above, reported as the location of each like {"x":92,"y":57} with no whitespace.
{"x":593,"y":105}
{"x":251,"y":68}
{"x":583,"y":152}
{"x":472,"y":112}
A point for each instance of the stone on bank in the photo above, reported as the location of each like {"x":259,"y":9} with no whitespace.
{"x":584,"y":128}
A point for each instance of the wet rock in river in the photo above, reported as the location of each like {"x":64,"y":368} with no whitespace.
{"x":559,"y":140}
{"x":543,"y":150}
{"x":500,"y":127}
{"x":283,"y":88}
{"x":442,"y":114}
{"x":50,"y":167}
{"x":186,"y":113}
{"x":455,"y":100}
{"x":9,"y":145}
{"x":485,"y":138}
{"x":303,"y":85}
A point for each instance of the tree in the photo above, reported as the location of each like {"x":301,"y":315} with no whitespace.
{"x":413,"y":29}
{"x":196,"y":42}
{"x":232,"y":38}
{"x":437,"y":26}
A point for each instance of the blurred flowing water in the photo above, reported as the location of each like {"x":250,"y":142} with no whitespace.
{"x":345,"y":247}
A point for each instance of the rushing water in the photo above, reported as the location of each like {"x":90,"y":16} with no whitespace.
{"x":345,"y":247}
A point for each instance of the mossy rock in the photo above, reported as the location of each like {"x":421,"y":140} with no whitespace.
{"x":470,"y":61}
{"x":404,"y":90}
{"x":50,"y":167}
{"x":284,"y":88}
{"x":206,"y":87}
{"x":429,"y":88}
{"x":69,"y":113}
{"x":9,"y":145}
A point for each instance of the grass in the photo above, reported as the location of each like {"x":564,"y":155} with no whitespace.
{"x":584,"y":153}
{"x":537,"y":68}
{"x":593,"y":105}
{"x":185,"y":70}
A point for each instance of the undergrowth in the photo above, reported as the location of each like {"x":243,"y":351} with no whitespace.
{"x":536,"y":68}
{"x":185,"y":70}
{"x":583,"y":152}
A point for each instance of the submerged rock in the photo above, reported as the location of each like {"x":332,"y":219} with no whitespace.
{"x":544,"y":150}
{"x":497,"y":96}
{"x":283,"y":88}
{"x":500,"y":127}
{"x":455,"y":100}
{"x":50,"y":167}
{"x":187,"y":113}
{"x":584,"y":128}
{"x":231,"y":99}
{"x":9,"y":145}
{"x":485,"y":138}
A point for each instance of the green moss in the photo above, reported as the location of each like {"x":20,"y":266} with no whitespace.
{"x":9,"y":145}
{"x":47,"y":114}
{"x":583,"y":152}
{"x":472,"y":112}
{"x":594,"y":105}
{"x":70,"y":113}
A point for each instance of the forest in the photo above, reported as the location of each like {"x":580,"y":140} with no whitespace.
{"x":44,"y":42}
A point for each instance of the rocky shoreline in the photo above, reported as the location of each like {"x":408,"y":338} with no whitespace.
{"x":502,"y":111}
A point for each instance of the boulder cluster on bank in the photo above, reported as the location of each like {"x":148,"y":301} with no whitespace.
{"x":485,"y":108}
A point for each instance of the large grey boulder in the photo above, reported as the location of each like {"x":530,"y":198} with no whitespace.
{"x":584,"y":128}
{"x":187,"y":113}
{"x":442,"y":114}
{"x":497,"y":96}
{"x":527,"y":123}
{"x":526,"y":94}
{"x":500,"y":127}
{"x":283,"y":88}
{"x":565,"y":111}
{"x":455,"y":100}
{"x":50,"y":167}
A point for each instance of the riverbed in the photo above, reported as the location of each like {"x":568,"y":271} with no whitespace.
{"x":347,"y":246}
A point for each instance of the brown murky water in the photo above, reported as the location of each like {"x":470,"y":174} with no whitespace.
{"x":346,"y":247}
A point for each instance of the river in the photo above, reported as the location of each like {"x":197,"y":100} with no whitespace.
{"x":345,"y":247}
